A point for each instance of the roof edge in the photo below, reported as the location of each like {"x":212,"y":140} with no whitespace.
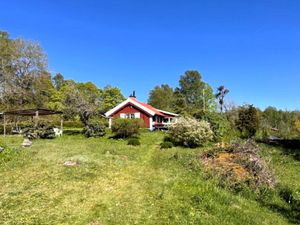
{"x":129,"y":100}
{"x":166,"y":112}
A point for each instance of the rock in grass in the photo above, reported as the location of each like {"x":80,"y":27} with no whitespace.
{"x":70,"y":163}
{"x":1,"y":149}
{"x":26,"y":142}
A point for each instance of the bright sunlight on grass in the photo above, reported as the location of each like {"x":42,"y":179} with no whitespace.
{"x":115,"y":183}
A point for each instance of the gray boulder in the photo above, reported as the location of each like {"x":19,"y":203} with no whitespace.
{"x":26,"y":142}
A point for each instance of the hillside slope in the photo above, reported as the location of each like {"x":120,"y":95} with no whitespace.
{"x":119,"y":184}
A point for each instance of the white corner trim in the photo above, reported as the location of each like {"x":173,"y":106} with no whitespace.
{"x":172,"y":114}
{"x":151,"y":123}
{"x":129,"y":100}
{"x":109,"y":122}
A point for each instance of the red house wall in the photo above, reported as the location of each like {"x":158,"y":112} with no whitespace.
{"x":132,"y":109}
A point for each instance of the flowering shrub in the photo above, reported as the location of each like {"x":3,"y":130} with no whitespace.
{"x":190,"y":132}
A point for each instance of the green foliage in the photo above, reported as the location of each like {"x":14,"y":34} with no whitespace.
{"x":73,"y":124}
{"x":191,"y":133}
{"x":58,"y":81}
{"x":23,"y":64}
{"x":167,"y":139}
{"x":44,"y":89}
{"x":297,"y":125}
{"x":134,"y":141}
{"x":110,"y":97}
{"x":196,"y":93}
{"x":166,"y":144}
{"x":162,"y":97}
{"x":248,"y":121}
{"x":42,"y":130}
{"x":279,"y":123}
{"x":124,"y":128}
{"x":218,"y":122}
{"x":94,"y":130}
{"x":81,"y":99}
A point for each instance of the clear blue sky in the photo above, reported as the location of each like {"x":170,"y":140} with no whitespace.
{"x":252,"y":47}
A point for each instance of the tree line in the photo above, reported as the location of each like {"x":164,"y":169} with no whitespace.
{"x":25,"y":82}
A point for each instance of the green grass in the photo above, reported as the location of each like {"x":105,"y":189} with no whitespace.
{"x":120,"y":184}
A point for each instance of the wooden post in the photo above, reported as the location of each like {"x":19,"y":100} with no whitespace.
{"x":36,"y":118}
{"x":4,"y":125}
{"x":61,"y":124}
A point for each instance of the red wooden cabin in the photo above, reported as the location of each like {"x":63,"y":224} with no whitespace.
{"x":131,"y":108}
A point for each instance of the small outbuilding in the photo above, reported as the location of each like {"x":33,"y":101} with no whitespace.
{"x":34,"y":113}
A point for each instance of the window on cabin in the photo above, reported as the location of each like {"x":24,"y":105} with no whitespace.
{"x":130,"y":116}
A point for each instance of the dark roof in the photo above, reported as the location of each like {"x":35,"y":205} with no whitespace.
{"x":32,"y":112}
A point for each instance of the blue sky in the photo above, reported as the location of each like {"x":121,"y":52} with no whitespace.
{"x":252,"y":47}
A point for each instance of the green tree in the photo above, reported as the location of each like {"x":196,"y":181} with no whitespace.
{"x":248,"y":120}
{"x":58,"y":81}
{"x":197,"y":93}
{"x":162,"y":97}
{"x":278,"y":122}
{"x":57,"y":99}
{"x":22,"y":62}
{"x":43,"y":90}
{"x":220,"y":95}
{"x":180,"y":105}
{"x":8,"y":52}
{"x":81,"y":100}
{"x":110,"y":97}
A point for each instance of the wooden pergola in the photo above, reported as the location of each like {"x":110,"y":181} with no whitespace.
{"x":35,"y":113}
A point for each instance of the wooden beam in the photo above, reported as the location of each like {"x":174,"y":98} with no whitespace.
{"x":4,"y":125}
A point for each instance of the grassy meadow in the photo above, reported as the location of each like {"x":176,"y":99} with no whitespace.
{"x":115,"y":183}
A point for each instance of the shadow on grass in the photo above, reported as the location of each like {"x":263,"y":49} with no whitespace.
{"x":122,"y":137}
{"x":289,"y":146}
{"x":290,"y":212}
{"x":70,"y":132}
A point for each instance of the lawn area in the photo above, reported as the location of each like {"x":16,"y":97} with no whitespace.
{"x":119,"y":184}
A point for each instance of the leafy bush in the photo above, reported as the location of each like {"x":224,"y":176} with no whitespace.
{"x":167,"y":139}
{"x":134,"y":141}
{"x":191,"y":133}
{"x":166,"y":144}
{"x":124,"y":128}
{"x":46,"y":132}
{"x":220,"y":125}
{"x":94,"y":130}
{"x":42,"y":130}
{"x":73,"y":124}
{"x":248,"y":121}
